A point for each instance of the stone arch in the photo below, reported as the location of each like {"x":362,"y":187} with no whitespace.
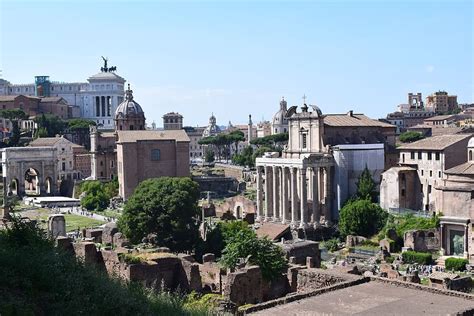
{"x":32,"y":182}
{"x":430,"y":235}
{"x":421,"y":234}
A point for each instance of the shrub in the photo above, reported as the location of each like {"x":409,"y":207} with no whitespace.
{"x":38,"y":279}
{"x":331,"y":244}
{"x":362,"y":218}
{"x":417,"y":257}
{"x":409,"y":137}
{"x":456,"y":264}
{"x":390,"y":259}
{"x":130,"y":259}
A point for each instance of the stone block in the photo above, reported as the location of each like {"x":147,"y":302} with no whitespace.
{"x":86,"y":251}
{"x":64,"y":243}
{"x":56,"y":225}
{"x":208,"y":257}
{"x":95,"y":233}
{"x":119,"y":240}
{"x":108,"y":233}
{"x":310,"y":262}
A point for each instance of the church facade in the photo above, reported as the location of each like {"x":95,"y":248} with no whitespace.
{"x":132,"y":154}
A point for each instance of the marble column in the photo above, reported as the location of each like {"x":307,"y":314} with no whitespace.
{"x":294,"y":195}
{"x":259,"y":194}
{"x":268,"y":193}
{"x":284,"y":193}
{"x":303,"y":199}
{"x":328,"y":194}
{"x":466,"y":241}
{"x":315,"y":194}
{"x":276,"y":194}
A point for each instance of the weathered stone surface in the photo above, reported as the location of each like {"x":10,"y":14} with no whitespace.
{"x":64,"y":243}
{"x":300,"y":250}
{"x":95,"y":233}
{"x":311,"y":279}
{"x":352,"y":241}
{"x":208,"y":257}
{"x":119,"y":240}
{"x":108,"y":233}
{"x":87,"y":252}
{"x":57,"y":225}
{"x":244,"y":286}
{"x":423,"y":240}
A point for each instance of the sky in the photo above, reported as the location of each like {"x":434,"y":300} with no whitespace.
{"x":235,"y":58}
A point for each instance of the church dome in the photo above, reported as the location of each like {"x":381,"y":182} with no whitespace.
{"x":128,"y":106}
{"x":212,"y":129}
{"x":471,"y":143}
{"x":279,"y":120}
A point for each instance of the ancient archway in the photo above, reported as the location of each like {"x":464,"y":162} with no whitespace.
{"x":32,"y":184}
{"x":238,"y":212}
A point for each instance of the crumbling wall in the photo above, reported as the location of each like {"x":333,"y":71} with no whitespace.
{"x":312,"y":279}
{"x":423,"y":240}
{"x":244,"y":286}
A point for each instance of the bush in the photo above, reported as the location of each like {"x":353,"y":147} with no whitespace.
{"x":456,"y":264}
{"x":331,"y":244}
{"x":409,"y":137}
{"x":417,"y":257}
{"x":361,"y":218}
{"x":38,"y":279}
{"x":260,"y":251}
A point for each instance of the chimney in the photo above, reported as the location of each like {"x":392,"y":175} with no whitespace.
{"x":350,"y":113}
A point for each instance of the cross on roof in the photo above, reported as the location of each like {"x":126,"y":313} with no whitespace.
{"x":304,"y":98}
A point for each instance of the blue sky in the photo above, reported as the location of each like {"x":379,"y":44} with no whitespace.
{"x":239,"y":58}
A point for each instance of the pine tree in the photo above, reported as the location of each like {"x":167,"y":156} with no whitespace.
{"x":366,"y":186}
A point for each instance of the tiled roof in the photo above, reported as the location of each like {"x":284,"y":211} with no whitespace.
{"x":50,"y":141}
{"x":435,"y":131}
{"x":440,"y":117}
{"x":134,"y":136}
{"x":52,"y":99}
{"x":354,"y":120}
{"x":465,"y":168}
{"x":6,"y":98}
{"x":436,"y":142}
{"x":272,"y":230}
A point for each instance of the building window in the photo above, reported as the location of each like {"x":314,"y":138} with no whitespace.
{"x":403,"y":192}
{"x":431,"y":173}
{"x":422,"y":172}
{"x":63,"y":166}
{"x":101,"y":163}
{"x":412,"y":155}
{"x":403,"y":157}
{"x":429,"y":189}
{"x":437,"y":155}
{"x":419,"y":155}
{"x":304,"y":141}
{"x":155,"y":154}
{"x":429,"y":155}
{"x":470,"y":155}
{"x":439,"y":174}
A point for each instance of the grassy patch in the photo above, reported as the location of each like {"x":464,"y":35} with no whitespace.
{"x":74,"y":221}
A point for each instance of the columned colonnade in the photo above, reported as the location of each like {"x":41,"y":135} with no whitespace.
{"x":283,"y":193}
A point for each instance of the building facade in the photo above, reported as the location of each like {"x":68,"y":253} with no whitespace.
{"x":143,"y":155}
{"x":442,"y":103}
{"x":172,"y":121}
{"x":96,"y":99}
{"x":422,"y":167}
{"x":454,"y":198}
{"x":195,"y":135}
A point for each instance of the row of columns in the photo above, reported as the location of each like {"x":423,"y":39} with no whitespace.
{"x":103,"y":106}
{"x":287,"y":194}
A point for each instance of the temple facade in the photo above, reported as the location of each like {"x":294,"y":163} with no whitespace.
{"x":296,"y":188}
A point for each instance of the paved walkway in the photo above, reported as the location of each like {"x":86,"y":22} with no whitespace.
{"x":80,"y":212}
{"x":373,"y":298}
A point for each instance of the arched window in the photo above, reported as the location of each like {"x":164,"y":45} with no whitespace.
{"x":470,"y":155}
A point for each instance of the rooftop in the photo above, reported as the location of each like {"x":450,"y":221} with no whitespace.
{"x":135,"y":136}
{"x":440,"y":142}
{"x":353,"y":120}
{"x":49,"y":141}
{"x":466,"y":168}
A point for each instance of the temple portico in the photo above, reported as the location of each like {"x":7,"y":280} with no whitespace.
{"x":295,"y":190}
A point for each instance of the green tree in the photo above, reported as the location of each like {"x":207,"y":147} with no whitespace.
{"x":79,"y":123}
{"x":52,"y":124}
{"x":209,"y":156}
{"x":366,"y":188}
{"x":409,"y":137}
{"x":96,"y":199}
{"x":362,"y":218}
{"x":243,"y":243}
{"x":245,"y":158}
{"x":236,"y":137}
{"x":166,"y":207}
{"x":14,"y":115}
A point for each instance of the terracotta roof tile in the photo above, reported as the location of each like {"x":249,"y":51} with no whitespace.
{"x":354,"y":120}
{"x":436,"y":142}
